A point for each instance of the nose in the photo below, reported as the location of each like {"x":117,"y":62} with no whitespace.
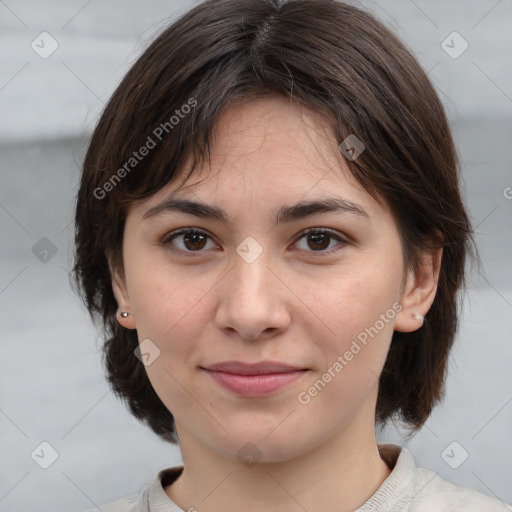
{"x":253,"y":300}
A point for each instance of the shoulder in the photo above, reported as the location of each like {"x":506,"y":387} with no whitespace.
{"x":436,"y":494}
{"x":412,"y":489}
{"x":152,"y":497}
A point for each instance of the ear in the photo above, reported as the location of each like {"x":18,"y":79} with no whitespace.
{"x":419,"y":292}
{"x":123,"y":300}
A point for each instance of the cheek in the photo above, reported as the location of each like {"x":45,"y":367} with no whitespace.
{"x":360,"y":319}
{"x":164,"y":299}
{"x":169,"y":311}
{"x":359,"y":309}
{"x":354,"y":303}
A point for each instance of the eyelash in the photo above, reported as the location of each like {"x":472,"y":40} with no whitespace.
{"x":167,"y":239}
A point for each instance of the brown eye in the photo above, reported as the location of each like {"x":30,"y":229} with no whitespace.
{"x":188,"y":240}
{"x":194,"y":241}
{"x":318,"y":240}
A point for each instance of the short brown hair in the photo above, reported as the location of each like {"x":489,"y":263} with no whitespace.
{"x":332,"y":57}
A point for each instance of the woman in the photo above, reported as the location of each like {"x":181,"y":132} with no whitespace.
{"x":269,"y":225}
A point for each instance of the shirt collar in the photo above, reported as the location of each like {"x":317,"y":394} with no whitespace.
{"x":391,"y":495}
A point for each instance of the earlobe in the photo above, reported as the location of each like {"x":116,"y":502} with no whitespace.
{"x":124,"y":313}
{"x":419,"y":292}
{"x":125,"y":319}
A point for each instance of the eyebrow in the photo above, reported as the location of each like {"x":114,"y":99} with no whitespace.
{"x":284,"y":214}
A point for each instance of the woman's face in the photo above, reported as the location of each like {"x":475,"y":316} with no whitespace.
{"x":248,"y":289}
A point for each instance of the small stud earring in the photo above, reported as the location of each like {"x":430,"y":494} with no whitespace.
{"x":417,"y":316}
{"x":124,"y":314}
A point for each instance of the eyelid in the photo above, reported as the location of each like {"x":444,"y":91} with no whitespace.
{"x":185,"y":231}
{"x":327,"y":231}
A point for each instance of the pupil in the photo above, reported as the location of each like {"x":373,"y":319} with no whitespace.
{"x":317,"y":240}
{"x":194,"y":237}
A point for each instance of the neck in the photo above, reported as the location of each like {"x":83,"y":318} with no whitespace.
{"x":340,"y":474}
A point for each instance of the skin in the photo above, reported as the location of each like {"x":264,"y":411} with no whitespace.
{"x":302,"y":301}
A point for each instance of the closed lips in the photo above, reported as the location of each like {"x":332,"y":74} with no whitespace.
{"x":254,"y":380}
{"x":262,"y":368}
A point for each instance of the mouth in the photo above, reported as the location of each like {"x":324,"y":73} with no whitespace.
{"x":256,"y":379}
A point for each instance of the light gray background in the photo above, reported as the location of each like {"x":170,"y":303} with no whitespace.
{"x":51,"y":382}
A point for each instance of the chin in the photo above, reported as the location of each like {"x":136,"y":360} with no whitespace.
{"x":254,"y":445}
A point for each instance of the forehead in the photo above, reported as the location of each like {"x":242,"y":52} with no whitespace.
{"x":274,"y":140}
{"x":274,"y":132}
{"x":273,"y":151}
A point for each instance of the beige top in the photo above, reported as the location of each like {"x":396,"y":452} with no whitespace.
{"x":407,"y":489}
